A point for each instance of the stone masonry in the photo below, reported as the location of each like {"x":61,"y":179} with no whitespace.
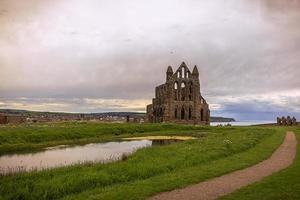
{"x":179,"y":100}
{"x":286,"y":121}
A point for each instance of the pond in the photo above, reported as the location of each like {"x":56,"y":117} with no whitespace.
{"x":64,"y":155}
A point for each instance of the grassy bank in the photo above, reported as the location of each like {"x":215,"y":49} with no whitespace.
{"x":16,"y":138}
{"x":150,"y":170}
{"x":283,"y":185}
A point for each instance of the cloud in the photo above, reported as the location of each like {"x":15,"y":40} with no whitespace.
{"x":74,"y":104}
{"x":259,"y":106}
{"x":70,"y":51}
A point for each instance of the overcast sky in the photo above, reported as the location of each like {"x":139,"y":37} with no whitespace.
{"x":94,"y":56}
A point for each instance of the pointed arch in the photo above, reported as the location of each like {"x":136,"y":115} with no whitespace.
{"x":182,"y":72}
{"x":182,"y":85}
{"x":190,"y":91}
{"x":183,"y":91}
{"x":176,"y":85}
{"x":176,"y":90}
{"x":190,"y":113}
{"x":182,"y":113}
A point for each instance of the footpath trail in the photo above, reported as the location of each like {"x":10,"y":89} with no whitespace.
{"x":226,"y":184}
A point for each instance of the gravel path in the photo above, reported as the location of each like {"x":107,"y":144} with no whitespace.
{"x":220,"y":186}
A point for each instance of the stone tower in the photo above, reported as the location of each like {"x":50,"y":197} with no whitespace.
{"x":179,"y":100}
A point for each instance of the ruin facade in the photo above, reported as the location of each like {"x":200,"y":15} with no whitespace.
{"x":286,"y":121}
{"x":179,"y":99}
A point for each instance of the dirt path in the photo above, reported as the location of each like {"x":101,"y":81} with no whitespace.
{"x":220,"y":186}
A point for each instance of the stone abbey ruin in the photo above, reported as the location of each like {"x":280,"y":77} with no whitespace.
{"x":179,"y":100}
{"x":286,"y":121}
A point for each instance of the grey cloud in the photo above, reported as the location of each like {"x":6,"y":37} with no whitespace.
{"x":74,"y":104}
{"x":255,"y":111}
{"x":258,"y":106}
{"x":107,"y":52}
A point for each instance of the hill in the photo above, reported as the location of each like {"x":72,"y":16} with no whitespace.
{"x":104,"y":114}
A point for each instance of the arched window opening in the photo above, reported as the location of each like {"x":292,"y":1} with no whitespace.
{"x":182,"y":113}
{"x":178,"y":74}
{"x":175,"y":114}
{"x":187,"y":74}
{"x":190,"y":113}
{"x":183,"y":91}
{"x":182,"y":72}
{"x":175,"y":85}
{"x":190,"y":91}
{"x":176,"y":91}
{"x":183,"y":85}
{"x":201,"y":115}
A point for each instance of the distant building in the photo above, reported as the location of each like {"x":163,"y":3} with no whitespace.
{"x":294,"y":121}
{"x":11,"y":119}
{"x":3,"y":119}
{"x":179,"y":100}
{"x":286,"y":121}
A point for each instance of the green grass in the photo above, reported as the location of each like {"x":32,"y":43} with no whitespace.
{"x":16,"y":138}
{"x":283,"y":185}
{"x":149,"y":170}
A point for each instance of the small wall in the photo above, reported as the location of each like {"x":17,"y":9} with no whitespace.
{"x":3,"y":119}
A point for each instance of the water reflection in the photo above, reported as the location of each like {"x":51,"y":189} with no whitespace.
{"x":63,"y":156}
{"x":57,"y":157}
{"x":165,"y":142}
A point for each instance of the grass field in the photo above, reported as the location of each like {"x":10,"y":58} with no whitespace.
{"x":33,"y":137}
{"x":218,"y":150}
{"x":284,"y":185}
{"x":147,"y":172}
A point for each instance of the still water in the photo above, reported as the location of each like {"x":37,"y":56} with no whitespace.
{"x":242,"y":123}
{"x":63,"y":156}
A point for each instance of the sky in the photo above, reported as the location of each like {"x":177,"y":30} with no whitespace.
{"x":97,"y":56}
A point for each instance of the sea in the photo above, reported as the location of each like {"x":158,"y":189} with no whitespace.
{"x":242,"y":123}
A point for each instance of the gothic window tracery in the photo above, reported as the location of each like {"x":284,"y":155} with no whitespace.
{"x":175,"y":85}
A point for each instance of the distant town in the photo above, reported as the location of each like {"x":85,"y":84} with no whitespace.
{"x":12,"y":116}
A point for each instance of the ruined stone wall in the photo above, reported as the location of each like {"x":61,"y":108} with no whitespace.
{"x":282,"y":121}
{"x":179,"y":99}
